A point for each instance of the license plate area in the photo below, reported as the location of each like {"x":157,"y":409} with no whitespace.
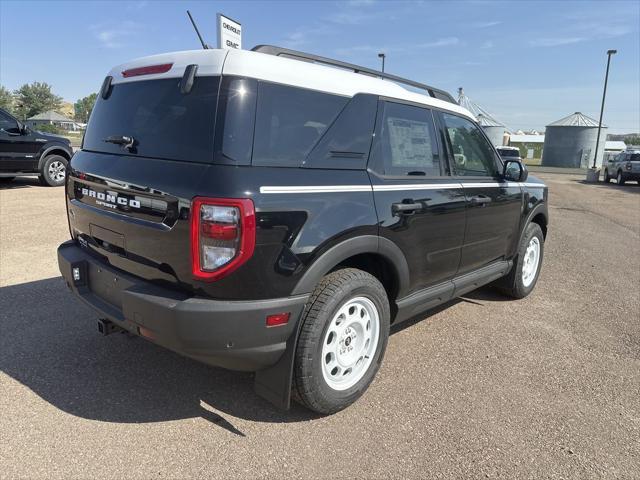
{"x":106,"y":285}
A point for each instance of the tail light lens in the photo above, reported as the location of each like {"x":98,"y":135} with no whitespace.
{"x":628,"y":166}
{"x":223,"y":236}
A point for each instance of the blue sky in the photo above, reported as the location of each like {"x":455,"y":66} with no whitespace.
{"x":528,"y":63}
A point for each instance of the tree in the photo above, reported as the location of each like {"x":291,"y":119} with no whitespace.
{"x":32,"y":99}
{"x":6,"y":99}
{"x":83,"y":107}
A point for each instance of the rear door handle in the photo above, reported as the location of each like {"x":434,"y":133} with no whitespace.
{"x":480,"y":200}
{"x":405,"y":208}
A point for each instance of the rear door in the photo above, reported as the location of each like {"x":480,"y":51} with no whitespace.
{"x":494,"y":206}
{"x":420,"y":207}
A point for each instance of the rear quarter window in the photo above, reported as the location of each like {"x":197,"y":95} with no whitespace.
{"x":289,"y":122}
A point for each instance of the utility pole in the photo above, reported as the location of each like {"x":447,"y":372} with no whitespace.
{"x":604,"y":94}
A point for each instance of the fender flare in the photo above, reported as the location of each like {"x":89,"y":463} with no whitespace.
{"x":348,"y":248}
{"x":48,"y":150}
{"x":539,"y":208}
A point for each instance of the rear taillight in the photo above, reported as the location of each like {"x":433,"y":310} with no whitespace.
{"x":628,"y":166}
{"x":223,"y":236}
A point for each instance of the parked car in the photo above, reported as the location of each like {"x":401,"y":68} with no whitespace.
{"x":623,"y":167}
{"x":265,"y":211}
{"x":509,"y":153}
{"x":27,"y":152}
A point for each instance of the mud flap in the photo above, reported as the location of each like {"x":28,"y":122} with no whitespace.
{"x":274,"y":383}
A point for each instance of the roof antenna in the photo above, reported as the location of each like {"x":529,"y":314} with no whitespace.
{"x":204,"y":45}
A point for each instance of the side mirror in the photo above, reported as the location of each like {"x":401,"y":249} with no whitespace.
{"x":515,"y":171}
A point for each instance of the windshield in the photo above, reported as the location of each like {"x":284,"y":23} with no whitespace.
{"x":163,"y":122}
{"x":508,"y":153}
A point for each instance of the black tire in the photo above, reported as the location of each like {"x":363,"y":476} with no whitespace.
{"x":620,"y":178}
{"x":53,"y":170}
{"x":605,"y":176}
{"x":336,"y":289}
{"x":513,"y":285}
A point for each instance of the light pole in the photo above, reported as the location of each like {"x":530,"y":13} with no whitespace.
{"x":604,"y":94}
{"x":382,"y":56}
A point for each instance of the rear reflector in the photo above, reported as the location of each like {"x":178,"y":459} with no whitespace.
{"x":278,"y":319}
{"x":148,"y":70}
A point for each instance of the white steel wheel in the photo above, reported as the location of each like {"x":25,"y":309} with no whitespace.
{"x":531,"y":262}
{"x":350,"y":342}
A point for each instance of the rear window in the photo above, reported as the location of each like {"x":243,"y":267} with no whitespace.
{"x":289,"y":122}
{"x":163,"y":122}
{"x":634,"y":157}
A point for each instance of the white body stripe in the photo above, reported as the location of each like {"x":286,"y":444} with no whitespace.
{"x":391,"y":188}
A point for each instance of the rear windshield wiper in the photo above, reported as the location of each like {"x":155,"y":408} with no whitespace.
{"x":122,"y":140}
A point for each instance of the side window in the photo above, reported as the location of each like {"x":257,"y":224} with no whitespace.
{"x":235,"y":122}
{"x":7,"y":122}
{"x":347,"y":142}
{"x":289,"y":122}
{"x":406,"y":141}
{"x":472,"y":153}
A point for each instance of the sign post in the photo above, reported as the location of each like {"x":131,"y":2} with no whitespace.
{"x":229,"y":33}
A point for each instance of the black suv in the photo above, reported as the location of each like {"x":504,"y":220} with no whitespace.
{"x":265,"y":211}
{"x":24,"y":152}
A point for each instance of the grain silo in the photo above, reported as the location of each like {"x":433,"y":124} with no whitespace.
{"x":571,"y":142}
{"x":493,"y":128}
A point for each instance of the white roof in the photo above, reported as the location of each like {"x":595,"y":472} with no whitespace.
{"x":527,"y":138}
{"x":271,"y":68}
{"x":615,"y":145}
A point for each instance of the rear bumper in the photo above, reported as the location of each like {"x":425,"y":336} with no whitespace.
{"x":633,"y":176}
{"x":228,"y":334}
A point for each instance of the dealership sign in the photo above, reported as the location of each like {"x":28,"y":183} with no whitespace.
{"x":229,"y":33}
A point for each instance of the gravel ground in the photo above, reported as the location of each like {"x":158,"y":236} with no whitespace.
{"x":545,"y":387}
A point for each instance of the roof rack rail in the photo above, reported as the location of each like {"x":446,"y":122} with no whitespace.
{"x":308,"y":57}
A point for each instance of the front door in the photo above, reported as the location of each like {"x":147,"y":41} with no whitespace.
{"x":419,"y":207}
{"x":494,"y":206}
{"x":18,"y":149}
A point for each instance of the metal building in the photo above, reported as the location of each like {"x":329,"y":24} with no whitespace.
{"x":494,"y":129}
{"x":571,"y":142}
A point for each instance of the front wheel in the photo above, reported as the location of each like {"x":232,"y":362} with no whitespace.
{"x":605,"y":176}
{"x":342,"y":341}
{"x":523,"y":277}
{"x":53,"y":171}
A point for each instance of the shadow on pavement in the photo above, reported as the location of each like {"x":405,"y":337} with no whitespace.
{"x":630,"y":186}
{"x":20,"y":182}
{"x":49,"y":343}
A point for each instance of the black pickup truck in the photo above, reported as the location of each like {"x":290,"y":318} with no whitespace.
{"x":27,"y":152}
{"x":265,"y":211}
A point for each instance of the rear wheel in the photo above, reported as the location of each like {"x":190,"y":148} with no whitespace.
{"x":620,"y":178}
{"x":605,"y":176}
{"x":53,"y":171}
{"x":523,"y":277}
{"x":342,"y":342}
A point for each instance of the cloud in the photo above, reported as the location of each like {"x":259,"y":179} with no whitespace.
{"x":137,"y":5}
{"x":360,"y":3}
{"x":114,"y":36}
{"x":441,"y":42}
{"x":488,"y":24}
{"x":487,"y":44}
{"x":555,"y":42}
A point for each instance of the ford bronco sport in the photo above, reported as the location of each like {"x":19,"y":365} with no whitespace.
{"x":274,"y":211}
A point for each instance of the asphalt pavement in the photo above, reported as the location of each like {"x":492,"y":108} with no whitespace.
{"x":483,"y":387}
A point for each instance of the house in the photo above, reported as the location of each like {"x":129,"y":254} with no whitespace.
{"x":53,"y":118}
